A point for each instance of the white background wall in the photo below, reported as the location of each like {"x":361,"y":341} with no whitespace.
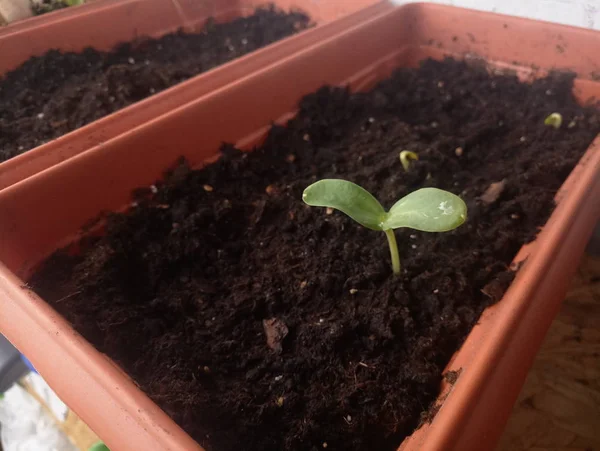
{"x":581,"y":13}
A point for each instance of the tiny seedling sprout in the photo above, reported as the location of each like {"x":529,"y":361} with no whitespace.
{"x":427,"y":209}
{"x":406,"y":156}
{"x":554,"y":120}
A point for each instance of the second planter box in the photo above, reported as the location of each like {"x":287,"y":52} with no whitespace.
{"x":106,"y":23}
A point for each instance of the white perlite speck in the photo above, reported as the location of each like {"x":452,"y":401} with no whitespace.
{"x":445,"y":208}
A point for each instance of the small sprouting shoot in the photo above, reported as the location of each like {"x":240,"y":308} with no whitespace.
{"x":554,"y":120}
{"x":427,"y":209}
{"x":406,"y":156}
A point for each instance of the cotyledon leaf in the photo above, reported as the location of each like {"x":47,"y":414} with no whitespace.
{"x":349,"y":198}
{"x":428,"y":210}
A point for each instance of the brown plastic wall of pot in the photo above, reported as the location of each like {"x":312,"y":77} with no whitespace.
{"x":105,"y":23}
{"x":48,"y":210}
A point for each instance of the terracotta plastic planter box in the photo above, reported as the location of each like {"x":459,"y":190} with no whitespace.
{"x":106,"y":23}
{"x":48,"y":210}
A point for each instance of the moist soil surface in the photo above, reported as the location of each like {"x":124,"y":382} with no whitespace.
{"x":49,"y":96}
{"x":259,"y":323}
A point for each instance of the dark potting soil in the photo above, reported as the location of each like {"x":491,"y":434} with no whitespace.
{"x":49,"y":96}
{"x":184,"y":289}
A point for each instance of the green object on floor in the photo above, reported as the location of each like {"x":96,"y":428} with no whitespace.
{"x":100,"y":446}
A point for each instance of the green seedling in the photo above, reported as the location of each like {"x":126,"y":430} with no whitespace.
{"x":427,"y":209}
{"x":406,"y":156}
{"x":554,"y":120}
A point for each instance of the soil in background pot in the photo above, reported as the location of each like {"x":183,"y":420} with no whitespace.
{"x":49,"y":96}
{"x":185,"y":288}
